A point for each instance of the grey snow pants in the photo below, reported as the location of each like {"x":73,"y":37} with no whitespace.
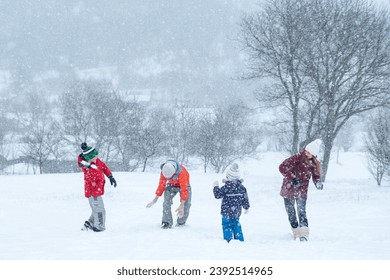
{"x":169,"y":193}
{"x":98,"y":216}
{"x":295,"y":222}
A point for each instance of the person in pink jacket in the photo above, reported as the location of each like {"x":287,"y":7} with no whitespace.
{"x":94,"y":170}
{"x":297,"y":171}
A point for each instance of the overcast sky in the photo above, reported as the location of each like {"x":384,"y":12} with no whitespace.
{"x":141,"y":43}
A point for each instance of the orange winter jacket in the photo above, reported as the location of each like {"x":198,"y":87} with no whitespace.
{"x":180,"y":180}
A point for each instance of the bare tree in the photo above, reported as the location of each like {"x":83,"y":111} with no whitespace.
{"x":90,"y":112}
{"x":345,"y":138}
{"x":341,"y":53}
{"x":378,"y":145}
{"x":232,"y":137}
{"x":274,"y":40}
{"x":179,"y":125}
{"x":348,"y":59}
{"x":5,"y":125}
{"x":129,"y":128}
{"x":105,"y":108}
{"x":40,"y":135}
{"x":204,"y":141}
{"x":76,"y":118}
{"x":151,"y":138}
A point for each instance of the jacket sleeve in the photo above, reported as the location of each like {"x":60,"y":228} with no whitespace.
{"x":161,"y":185}
{"x":218,"y":192}
{"x":245,"y":200}
{"x":105,"y":169}
{"x":184,"y":181}
{"x":286,"y":168}
{"x":79,"y":160}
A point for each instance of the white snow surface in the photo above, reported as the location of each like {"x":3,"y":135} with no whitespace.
{"x":41,"y":217}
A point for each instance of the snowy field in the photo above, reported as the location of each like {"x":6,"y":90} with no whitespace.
{"x":41,"y":217}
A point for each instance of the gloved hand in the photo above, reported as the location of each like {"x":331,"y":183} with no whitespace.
{"x":112,"y":181}
{"x":319,"y":185}
{"x":295,"y":183}
{"x":150,"y":204}
{"x":85,"y":164}
{"x":180,"y":210}
{"x":215,"y":184}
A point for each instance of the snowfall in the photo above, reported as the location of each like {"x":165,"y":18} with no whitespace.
{"x":41,"y":217}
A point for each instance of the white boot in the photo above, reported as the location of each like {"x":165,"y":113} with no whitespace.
{"x":304,"y":234}
{"x":296,"y":233}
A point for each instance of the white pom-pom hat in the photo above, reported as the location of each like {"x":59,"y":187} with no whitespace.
{"x":233,"y":172}
{"x":314,"y":147}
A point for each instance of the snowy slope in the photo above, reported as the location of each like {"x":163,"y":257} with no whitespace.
{"x":41,"y":217}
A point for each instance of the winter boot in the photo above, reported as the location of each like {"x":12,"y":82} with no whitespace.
{"x":296,"y":233}
{"x":87,"y":226}
{"x":304,"y":234}
{"x":165,"y":225}
{"x":180,"y":225}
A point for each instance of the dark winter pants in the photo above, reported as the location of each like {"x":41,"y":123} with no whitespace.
{"x":232,"y":229}
{"x":98,"y":216}
{"x":289,"y":204}
{"x":169,"y":193}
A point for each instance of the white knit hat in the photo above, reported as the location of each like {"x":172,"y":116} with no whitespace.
{"x":169,"y":169}
{"x":314,"y":147}
{"x":233,"y":172}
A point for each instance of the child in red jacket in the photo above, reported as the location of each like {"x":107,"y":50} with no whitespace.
{"x":94,"y":170}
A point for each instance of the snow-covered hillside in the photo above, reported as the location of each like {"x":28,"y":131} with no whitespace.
{"x":41,"y":217}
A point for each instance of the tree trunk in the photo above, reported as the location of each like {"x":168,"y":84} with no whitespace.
{"x":40,"y":167}
{"x":144,"y":167}
{"x":328,"y":145}
{"x":295,"y":142}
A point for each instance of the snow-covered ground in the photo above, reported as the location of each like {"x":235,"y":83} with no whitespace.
{"x":41,"y":217}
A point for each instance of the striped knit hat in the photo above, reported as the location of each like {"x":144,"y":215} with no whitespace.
{"x":88,"y":152}
{"x":233,"y":172}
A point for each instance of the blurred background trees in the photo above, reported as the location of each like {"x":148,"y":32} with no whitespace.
{"x":311,"y":69}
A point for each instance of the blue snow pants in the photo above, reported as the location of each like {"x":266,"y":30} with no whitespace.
{"x":232,"y":229}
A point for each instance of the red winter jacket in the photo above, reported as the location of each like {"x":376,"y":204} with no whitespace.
{"x":303,"y":169}
{"x":94,"y":178}
{"x":181,"y":179}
